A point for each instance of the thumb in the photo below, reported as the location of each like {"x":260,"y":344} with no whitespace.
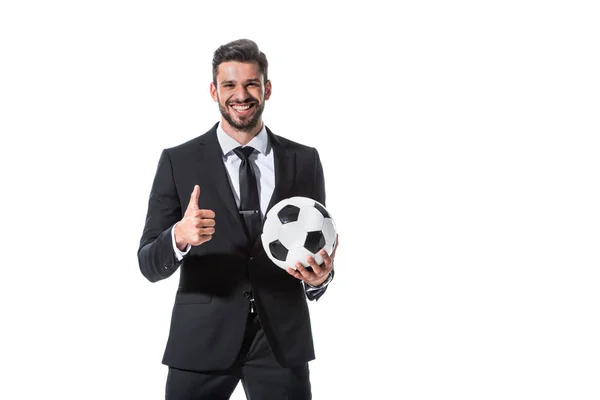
{"x":194,"y":198}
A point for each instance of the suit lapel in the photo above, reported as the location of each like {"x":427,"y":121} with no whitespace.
{"x":285,"y":170}
{"x":211,"y":165}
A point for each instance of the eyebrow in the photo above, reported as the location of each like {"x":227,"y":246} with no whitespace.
{"x":253,"y":80}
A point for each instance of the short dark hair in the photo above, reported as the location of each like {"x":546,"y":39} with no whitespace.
{"x":242,"y":50}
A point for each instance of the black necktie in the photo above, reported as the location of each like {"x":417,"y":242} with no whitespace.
{"x":249,"y":200}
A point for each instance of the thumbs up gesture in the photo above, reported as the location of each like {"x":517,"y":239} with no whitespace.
{"x":197,"y":226}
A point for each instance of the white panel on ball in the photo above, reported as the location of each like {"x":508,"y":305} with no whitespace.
{"x":329,"y":231}
{"x":318,"y":259}
{"x":298,"y":254}
{"x":311,"y":219}
{"x":271,"y":230}
{"x":292,"y":235}
{"x":328,"y":248}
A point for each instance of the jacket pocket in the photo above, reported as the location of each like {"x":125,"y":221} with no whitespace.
{"x":192,"y":298}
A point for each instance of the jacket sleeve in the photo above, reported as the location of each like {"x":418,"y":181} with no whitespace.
{"x":318,"y":194}
{"x":156,"y":256}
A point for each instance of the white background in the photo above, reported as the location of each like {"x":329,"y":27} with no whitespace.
{"x":461,"y":152}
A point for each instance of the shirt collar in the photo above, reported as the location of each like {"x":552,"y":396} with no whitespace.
{"x":260,"y":142}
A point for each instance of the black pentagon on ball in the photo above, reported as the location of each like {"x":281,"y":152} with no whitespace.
{"x":288,"y":214}
{"x":278,"y":250}
{"x":322,"y":210}
{"x":314,"y":241}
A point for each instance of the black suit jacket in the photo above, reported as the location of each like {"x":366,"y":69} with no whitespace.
{"x":211,"y":304}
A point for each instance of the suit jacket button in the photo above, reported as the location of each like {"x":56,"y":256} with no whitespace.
{"x":167,"y":265}
{"x":246,"y":294}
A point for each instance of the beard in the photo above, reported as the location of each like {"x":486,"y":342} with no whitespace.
{"x":243,"y":124}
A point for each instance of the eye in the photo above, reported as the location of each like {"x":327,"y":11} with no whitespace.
{"x":228,"y":85}
{"x":253,"y":84}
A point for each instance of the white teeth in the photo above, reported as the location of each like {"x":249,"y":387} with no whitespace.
{"x":241,"y":108}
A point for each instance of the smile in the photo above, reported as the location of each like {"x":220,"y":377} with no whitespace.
{"x":242,"y":108}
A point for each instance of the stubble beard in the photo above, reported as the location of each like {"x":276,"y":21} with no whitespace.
{"x":243,"y":126}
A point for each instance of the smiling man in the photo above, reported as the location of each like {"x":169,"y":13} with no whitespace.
{"x":236,"y":316}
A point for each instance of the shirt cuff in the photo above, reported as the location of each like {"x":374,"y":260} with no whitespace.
{"x":310,"y":287}
{"x":178,"y":253}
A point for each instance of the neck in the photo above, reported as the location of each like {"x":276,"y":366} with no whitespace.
{"x":242,"y":137}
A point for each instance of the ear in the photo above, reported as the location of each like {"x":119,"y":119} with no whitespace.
{"x":268,"y":90}
{"x":213,"y":92}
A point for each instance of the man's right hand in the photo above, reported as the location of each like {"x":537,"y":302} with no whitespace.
{"x":197,"y":226}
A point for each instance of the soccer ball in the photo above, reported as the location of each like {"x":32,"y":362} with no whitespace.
{"x":296,"y":228}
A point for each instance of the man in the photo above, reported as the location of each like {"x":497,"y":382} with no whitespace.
{"x":236,"y":315}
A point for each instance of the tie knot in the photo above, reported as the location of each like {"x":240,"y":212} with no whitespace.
{"x":243,"y":152}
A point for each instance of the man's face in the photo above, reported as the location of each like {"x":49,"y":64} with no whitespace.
{"x":241,"y":94}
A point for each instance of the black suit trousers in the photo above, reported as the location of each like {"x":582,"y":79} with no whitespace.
{"x":261,"y":376}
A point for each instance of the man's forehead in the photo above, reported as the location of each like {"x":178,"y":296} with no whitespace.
{"x":239,"y":70}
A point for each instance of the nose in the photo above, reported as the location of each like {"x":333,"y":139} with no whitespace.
{"x":241,"y":94}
